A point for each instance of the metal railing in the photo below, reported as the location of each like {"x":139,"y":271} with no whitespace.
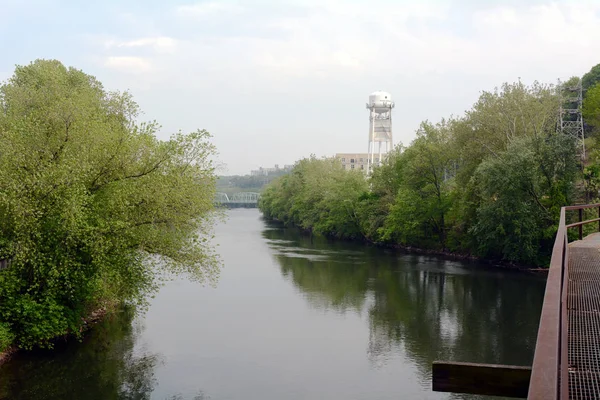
{"x":550,"y":369}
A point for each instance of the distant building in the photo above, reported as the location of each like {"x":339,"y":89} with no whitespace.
{"x":359,"y":161}
{"x":270,"y":171}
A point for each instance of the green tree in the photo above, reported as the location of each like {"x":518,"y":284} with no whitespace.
{"x":591,"y":106}
{"x":591,"y":78}
{"x":419,"y":213}
{"x":496,"y":120}
{"x":93,"y":207}
{"x":374,"y":206}
{"x":500,"y":117}
{"x":318,"y":195}
{"x":521,"y":193}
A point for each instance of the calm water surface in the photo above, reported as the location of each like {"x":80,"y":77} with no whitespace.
{"x":295,"y":318}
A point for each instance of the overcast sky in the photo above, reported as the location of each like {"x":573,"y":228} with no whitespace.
{"x":277,"y":80}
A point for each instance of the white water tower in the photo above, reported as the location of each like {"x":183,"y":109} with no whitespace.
{"x":380,"y":127}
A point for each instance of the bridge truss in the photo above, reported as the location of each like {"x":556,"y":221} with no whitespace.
{"x":242,"y":199}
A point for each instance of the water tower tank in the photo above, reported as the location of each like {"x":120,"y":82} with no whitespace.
{"x":380,"y":101}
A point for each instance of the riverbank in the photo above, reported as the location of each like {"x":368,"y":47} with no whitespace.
{"x":417,"y":250}
{"x":463,"y":257}
{"x":7,"y":354}
{"x":94,"y":318}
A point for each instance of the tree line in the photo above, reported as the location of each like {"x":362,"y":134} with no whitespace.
{"x":246,"y":183}
{"x":489,"y":183}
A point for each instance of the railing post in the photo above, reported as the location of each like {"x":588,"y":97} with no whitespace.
{"x":598,"y":217}
{"x":580,"y":226}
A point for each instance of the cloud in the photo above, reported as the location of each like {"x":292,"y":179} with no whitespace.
{"x":333,"y":38}
{"x":347,"y":40}
{"x":206,"y":9}
{"x":542,"y":37}
{"x":128,"y":64}
{"x":303,"y":38}
{"x":159,"y":43}
{"x":305,"y":65}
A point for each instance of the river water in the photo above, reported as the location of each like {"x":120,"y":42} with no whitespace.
{"x":295,"y":318}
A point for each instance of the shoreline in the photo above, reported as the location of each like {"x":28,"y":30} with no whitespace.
{"x":7,"y":354}
{"x":463,"y":257}
{"x":94,"y":318}
{"x":417,"y":250}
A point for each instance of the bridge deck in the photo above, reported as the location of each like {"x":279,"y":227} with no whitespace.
{"x":583,"y":310}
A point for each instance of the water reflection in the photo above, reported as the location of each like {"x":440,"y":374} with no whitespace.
{"x":427,"y":308}
{"x":295,"y":317}
{"x":105,"y":365}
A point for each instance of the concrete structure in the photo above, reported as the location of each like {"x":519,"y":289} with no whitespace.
{"x":358,"y":161}
{"x":380,"y":107}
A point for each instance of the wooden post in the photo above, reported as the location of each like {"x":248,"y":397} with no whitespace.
{"x":580,"y":226}
{"x":485,"y":379}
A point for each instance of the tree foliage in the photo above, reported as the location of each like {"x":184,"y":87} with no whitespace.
{"x":318,"y":195}
{"x":91,"y":201}
{"x":591,"y":78}
{"x":591,"y":106}
{"x":521,"y":192}
{"x":419,"y":212}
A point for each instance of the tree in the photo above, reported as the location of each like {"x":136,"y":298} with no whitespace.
{"x":501,"y":116}
{"x":496,"y":121}
{"x":94,"y":208}
{"x":591,"y":106}
{"x":521,"y":193}
{"x":318,"y":195}
{"x":591,"y":78}
{"x":423,"y":198}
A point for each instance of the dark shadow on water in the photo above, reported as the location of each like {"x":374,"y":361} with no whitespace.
{"x":425,"y":307}
{"x":104,"y":366}
{"x":416,"y":308}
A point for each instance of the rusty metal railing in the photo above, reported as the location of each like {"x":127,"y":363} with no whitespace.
{"x":550,"y":369}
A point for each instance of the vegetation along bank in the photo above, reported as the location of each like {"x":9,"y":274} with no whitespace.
{"x":488,"y":184}
{"x":95,"y":211}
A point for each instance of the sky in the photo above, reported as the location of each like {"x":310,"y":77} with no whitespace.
{"x":275,"y":80}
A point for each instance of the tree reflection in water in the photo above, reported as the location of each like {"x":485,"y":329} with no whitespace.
{"x":425,"y":307}
{"x":416,"y":310}
{"x":105,"y":365}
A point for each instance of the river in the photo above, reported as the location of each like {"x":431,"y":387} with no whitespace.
{"x":294,"y":317}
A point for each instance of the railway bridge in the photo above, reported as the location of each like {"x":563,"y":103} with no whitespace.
{"x":238,"y":200}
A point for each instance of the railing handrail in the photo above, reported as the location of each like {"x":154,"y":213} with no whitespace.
{"x":550,"y":362}
{"x":581,"y":206}
{"x":544,"y":383}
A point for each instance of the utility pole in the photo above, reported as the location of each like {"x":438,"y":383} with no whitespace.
{"x":570,"y":117}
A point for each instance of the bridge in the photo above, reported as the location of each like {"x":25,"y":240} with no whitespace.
{"x":566,"y":363}
{"x":238,"y":200}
